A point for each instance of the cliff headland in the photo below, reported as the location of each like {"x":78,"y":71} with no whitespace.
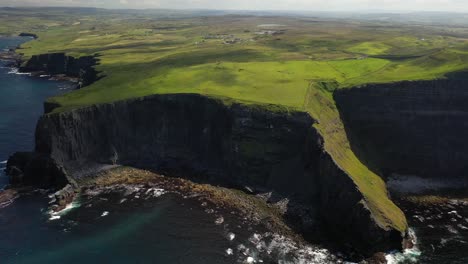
{"x":315,"y":123}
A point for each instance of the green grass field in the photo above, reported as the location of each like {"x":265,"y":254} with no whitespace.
{"x":297,"y":67}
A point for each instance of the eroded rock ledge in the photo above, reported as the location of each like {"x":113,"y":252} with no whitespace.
{"x":212,"y":141}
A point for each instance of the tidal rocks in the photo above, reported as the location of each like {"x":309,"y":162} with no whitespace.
{"x":12,"y":58}
{"x":25,"y":34}
{"x":377,"y":258}
{"x":7,"y":197}
{"x":35,"y":169}
{"x":62,"y":198}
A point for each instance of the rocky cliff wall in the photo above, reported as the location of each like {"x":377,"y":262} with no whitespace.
{"x":409,"y":128}
{"x":231,"y":145}
{"x":59,"y":63}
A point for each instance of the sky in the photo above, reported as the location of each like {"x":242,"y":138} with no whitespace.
{"x":293,"y":5}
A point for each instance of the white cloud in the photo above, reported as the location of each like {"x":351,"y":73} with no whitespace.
{"x":312,"y":5}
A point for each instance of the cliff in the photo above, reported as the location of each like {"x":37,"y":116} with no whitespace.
{"x":409,"y":128}
{"x":35,"y":169}
{"x":26,"y":34}
{"x":59,"y":63}
{"x":229,"y":144}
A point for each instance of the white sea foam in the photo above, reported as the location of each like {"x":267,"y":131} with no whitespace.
{"x":451,"y":229}
{"x":219,"y":220}
{"x":155,"y":192}
{"x":4,"y":162}
{"x":16,"y":71}
{"x":68,"y":208}
{"x":136,"y":191}
{"x":284,"y":250}
{"x":105,"y":213}
{"x":408,"y":255}
{"x":230,"y":236}
{"x":54,"y":217}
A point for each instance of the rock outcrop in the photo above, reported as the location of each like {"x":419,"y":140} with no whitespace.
{"x":409,"y":128}
{"x":59,"y":63}
{"x":62,"y":198}
{"x":35,"y":169}
{"x":25,"y":34}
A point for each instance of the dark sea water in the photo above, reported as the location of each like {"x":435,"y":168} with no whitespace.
{"x":126,"y":226}
{"x":442,"y":230}
{"x":103,"y":230}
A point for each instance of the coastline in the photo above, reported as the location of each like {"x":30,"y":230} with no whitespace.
{"x":43,"y":69}
{"x":258,"y":209}
{"x":234,"y":198}
{"x":14,"y":61}
{"x":237,"y":212}
{"x":264,"y":219}
{"x":254,"y":207}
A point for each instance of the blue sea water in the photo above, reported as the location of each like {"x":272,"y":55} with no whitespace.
{"x":21,"y":104}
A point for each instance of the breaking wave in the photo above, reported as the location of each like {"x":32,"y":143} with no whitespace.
{"x":408,"y":256}
{"x":57,"y":215}
{"x":263,"y":248}
{"x":16,"y":71}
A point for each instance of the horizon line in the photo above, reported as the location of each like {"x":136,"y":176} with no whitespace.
{"x":370,"y":11}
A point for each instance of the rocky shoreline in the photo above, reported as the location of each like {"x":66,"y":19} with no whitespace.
{"x":259,"y":209}
{"x":12,"y":58}
{"x":55,"y":66}
{"x":237,"y":212}
{"x":7,"y":197}
{"x":254,"y":207}
{"x":15,"y":60}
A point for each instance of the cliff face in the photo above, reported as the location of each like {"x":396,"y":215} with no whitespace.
{"x":26,"y":34}
{"x":231,"y":145}
{"x":35,"y":169}
{"x":59,"y":63}
{"x":410,"y":128}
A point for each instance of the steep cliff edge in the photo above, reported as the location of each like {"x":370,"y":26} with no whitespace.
{"x":229,"y":144}
{"x":409,"y":128}
{"x":81,"y":68}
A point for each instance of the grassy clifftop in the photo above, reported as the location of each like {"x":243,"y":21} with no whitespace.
{"x":295,"y":63}
{"x":320,"y":104}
